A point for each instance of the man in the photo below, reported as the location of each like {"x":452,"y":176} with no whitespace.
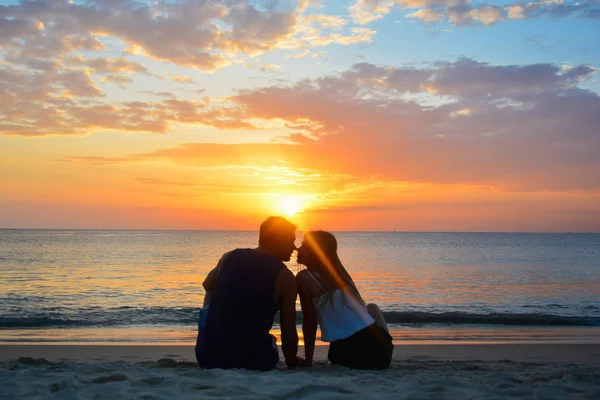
{"x":243,"y":293}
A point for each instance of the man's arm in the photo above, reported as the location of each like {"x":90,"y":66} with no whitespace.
{"x":210,"y":282}
{"x":286,"y":292}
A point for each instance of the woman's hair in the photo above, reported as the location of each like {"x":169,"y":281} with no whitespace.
{"x":333,"y":275}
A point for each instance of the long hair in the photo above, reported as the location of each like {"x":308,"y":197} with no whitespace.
{"x":333,"y":275}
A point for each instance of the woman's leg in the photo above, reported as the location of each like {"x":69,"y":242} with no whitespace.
{"x":377,"y":315}
{"x":383,"y":350}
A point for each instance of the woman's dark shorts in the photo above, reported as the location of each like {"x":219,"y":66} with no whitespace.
{"x":369,"y":348}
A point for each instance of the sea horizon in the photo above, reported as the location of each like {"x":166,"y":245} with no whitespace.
{"x":299,"y":230}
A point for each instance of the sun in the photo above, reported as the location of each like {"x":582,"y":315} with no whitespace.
{"x":290,"y":205}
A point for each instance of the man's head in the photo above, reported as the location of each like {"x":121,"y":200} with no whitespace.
{"x":277,"y":237}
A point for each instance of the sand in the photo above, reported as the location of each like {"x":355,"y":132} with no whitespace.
{"x":491,"y":371}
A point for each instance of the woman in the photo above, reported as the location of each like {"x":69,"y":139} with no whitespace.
{"x":358,"y":333}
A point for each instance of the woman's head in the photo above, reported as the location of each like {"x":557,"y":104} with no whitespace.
{"x":319,"y":253}
{"x":318,"y":250}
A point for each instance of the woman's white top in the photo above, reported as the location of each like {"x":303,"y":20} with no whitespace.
{"x":337,"y":318}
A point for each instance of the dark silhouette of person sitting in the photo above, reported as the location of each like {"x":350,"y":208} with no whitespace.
{"x":243,"y":293}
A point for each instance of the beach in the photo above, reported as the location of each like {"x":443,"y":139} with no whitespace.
{"x":541,"y":371}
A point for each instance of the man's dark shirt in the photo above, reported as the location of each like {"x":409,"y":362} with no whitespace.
{"x":240,"y":314}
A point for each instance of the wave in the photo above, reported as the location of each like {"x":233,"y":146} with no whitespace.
{"x":462,"y":318}
{"x":159,"y":316}
{"x":111,"y":317}
{"x":35,"y":322}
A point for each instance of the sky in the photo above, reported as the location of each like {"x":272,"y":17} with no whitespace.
{"x":376,"y":115}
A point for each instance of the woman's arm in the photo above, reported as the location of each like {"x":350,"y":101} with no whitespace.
{"x":286,"y":293}
{"x":309,"y":321}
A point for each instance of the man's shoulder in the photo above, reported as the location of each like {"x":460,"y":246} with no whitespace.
{"x":238,"y":252}
{"x":248,"y":254}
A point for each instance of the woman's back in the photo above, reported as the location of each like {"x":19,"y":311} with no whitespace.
{"x":339,"y":313}
{"x":329,"y":297}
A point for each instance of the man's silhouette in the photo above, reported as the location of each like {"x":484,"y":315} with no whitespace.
{"x":243,"y":293}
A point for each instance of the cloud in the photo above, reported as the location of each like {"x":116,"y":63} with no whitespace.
{"x":488,"y":15}
{"x":326,"y":21}
{"x":113,"y":70}
{"x":78,"y":83}
{"x":161,"y":182}
{"x":255,"y":31}
{"x":466,"y":12}
{"x":187,"y":33}
{"x":321,"y":30}
{"x":426,"y":15}
{"x":111,"y":65}
{"x":365,"y":11}
{"x":270,"y":67}
{"x":65,"y":102}
{"x":205,"y":155}
{"x":177,"y":78}
{"x":514,"y":127}
{"x":202,"y":34}
{"x":526,"y":127}
{"x":53,"y":56}
{"x":515,"y":12}
{"x":44,"y":102}
{"x":467,"y":78}
{"x":166,"y":94}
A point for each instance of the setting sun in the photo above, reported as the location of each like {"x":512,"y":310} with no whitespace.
{"x":290,"y":205}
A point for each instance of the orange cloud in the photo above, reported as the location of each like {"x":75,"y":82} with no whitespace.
{"x":465,"y":12}
{"x":537,"y":132}
{"x":59,"y":101}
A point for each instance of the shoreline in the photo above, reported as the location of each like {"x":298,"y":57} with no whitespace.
{"x":424,"y":334}
{"x":569,"y":353}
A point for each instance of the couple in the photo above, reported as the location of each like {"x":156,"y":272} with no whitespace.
{"x":249,"y":286}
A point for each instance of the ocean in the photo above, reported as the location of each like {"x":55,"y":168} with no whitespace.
{"x":101,"y":286}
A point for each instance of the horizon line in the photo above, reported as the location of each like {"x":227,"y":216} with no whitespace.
{"x":256,"y":230}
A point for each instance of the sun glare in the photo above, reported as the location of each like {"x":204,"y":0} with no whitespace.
{"x":290,"y":205}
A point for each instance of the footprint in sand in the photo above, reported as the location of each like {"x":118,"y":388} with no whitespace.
{"x":110,"y":378}
{"x":167,"y":363}
{"x":58,"y":386}
{"x":33,"y":361}
{"x":155,"y":380}
{"x":204,"y":387}
{"x":308,"y":390}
